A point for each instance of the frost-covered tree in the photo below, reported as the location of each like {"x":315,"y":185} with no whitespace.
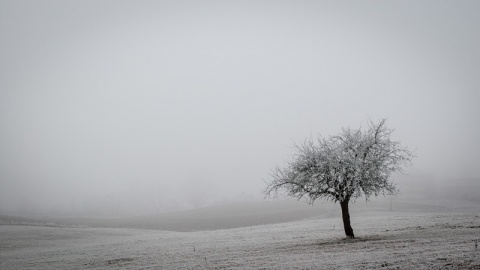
{"x":343,"y":167}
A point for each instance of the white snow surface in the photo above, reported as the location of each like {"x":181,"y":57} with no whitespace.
{"x":386,"y":240}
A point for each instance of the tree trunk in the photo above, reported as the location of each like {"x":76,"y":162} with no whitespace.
{"x":346,"y":219}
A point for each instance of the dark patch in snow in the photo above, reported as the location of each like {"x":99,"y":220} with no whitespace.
{"x":119,"y":261}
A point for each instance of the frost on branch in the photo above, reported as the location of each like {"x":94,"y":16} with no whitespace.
{"x":346,"y":166}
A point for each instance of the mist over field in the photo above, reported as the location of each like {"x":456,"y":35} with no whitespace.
{"x":126,"y":108}
{"x":145,"y":134}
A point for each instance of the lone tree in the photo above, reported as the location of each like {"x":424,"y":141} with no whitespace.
{"x":343,"y":167}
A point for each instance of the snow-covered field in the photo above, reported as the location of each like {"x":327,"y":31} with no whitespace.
{"x":386,"y":240}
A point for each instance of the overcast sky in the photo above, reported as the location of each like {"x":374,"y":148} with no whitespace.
{"x":155,"y":104}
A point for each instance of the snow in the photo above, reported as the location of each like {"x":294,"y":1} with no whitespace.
{"x":389,"y":240}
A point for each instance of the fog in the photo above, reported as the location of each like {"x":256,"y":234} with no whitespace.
{"x":136,"y":107}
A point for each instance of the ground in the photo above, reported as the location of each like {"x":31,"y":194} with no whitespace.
{"x":385,"y":240}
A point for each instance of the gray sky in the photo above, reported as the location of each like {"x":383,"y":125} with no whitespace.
{"x":152,"y":105}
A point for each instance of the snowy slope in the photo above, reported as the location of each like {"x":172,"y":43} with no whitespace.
{"x":385,"y":241}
